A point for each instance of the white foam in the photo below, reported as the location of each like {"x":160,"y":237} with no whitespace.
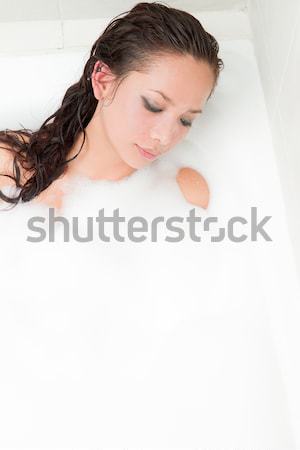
{"x":157,"y":343}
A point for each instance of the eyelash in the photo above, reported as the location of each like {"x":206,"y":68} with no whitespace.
{"x":155,"y":110}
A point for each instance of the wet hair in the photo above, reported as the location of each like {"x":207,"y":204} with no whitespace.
{"x":129,"y":43}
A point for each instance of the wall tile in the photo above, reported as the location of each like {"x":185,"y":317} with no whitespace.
{"x":288,"y":101}
{"x":225,"y":25}
{"x":28,"y":10}
{"x":79,"y":33}
{"x":24,"y":37}
{"x":91,"y":9}
{"x":289,"y":183}
{"x":279,"y":23}
{"x":288,"y":107}
{"x":262,"y":56}
{"x":222,"y":24}
{"x":276,"y":37}
{"x":289,"y":112}
{"x":208,"y":5}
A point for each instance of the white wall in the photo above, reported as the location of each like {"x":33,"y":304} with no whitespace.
{"x":43,"y":36}
{"x":27,"y":10}
{"x":276,"y":35}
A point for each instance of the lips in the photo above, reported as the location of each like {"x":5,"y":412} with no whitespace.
{"x":147,"y":153}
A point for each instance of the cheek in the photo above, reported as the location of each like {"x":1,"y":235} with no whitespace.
{"x":127,"y":122}
{"x":139,"y":120}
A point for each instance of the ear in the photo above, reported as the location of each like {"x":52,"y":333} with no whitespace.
{"x":102,"y":81}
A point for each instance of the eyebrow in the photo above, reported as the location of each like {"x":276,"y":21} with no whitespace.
{"x":194,"y":111}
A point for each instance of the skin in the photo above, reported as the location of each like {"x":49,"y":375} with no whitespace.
{"x":109,"y":151}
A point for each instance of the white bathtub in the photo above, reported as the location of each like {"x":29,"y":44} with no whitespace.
{"x":152,"y":345}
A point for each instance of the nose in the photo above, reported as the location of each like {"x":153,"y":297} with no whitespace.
{"x":163,"y":134}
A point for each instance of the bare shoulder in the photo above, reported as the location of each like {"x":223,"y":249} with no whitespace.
{"x":6,"y":165}
{"x":51,"y":196}
{"x":193,"y":186}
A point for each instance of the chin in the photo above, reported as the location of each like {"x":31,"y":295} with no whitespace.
{"x":135,"y":164}
{"x":135,"y":161}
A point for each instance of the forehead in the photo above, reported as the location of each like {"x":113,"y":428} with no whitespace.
{"x":182,"y":78}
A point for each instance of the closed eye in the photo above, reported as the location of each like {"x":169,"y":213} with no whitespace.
{"x":151,"y":108}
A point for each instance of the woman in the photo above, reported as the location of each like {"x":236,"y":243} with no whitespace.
{"x":150,"y":73}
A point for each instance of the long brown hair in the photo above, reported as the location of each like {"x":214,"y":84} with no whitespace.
{"x":128,"y":43}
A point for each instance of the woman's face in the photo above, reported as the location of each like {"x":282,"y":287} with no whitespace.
{"x":139,"y":116}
